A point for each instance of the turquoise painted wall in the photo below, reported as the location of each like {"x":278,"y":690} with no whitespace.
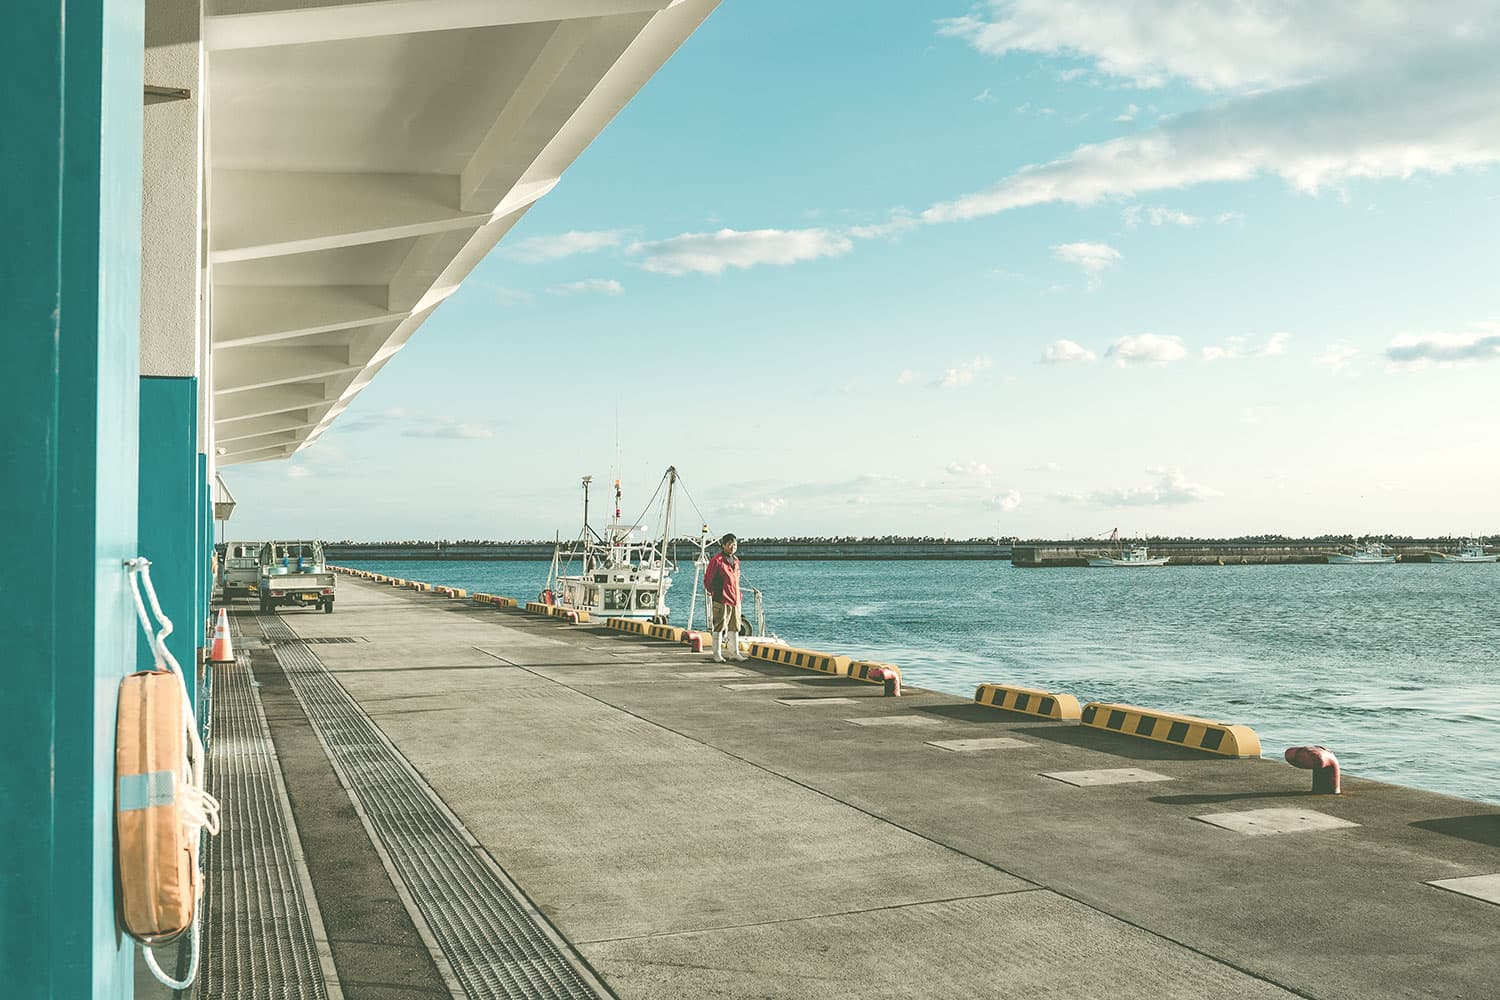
{"x":171,"y":520}
{"x":69,"y":303}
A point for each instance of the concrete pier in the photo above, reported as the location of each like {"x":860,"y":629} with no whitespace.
{"x":681,"y":828}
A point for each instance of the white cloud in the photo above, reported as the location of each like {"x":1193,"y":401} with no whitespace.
{"x":711,"y":253}
{"x":768,"y":507}
{"x":900,"y":221}
{"x":985,"y":97}
{"x":1151,"y":349}
{"x":1044,"y":467}
{"x":539,"y":248}
{"x":298,"y":472}
{"x":1094,"y":258}
{"x":1065,"y":352}
{"x":1170,"y":489}
{"x":1249,"y":44}
{"x":907,"y":377}
{"x":1223,"y":218}
{"x":589,"y":286}
{"x":509,"y":296}
{"x":1337,"y":356}
{"x":1128,"y":115}
{"x":969,"y":468}
{"x":447,"y":427}
{"x":1428,"y":112}
{"x":1413,"y":352}
{"x":963,"y":373}
{"x":1156,"y":215}
{"x":1005,"y":502}
{"x":1239,"y":347}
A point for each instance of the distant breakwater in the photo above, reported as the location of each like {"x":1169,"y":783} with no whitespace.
{"x":1029,"y":554}
{"x":1234,"y":552}
{"x":684,"y":550}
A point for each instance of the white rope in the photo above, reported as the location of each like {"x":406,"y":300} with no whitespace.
{"x":199,"y":809}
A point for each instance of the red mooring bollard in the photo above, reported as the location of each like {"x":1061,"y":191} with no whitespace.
{"x":1323,"y":764}
{"x":890,"y":678}
{"x":694,"y":641}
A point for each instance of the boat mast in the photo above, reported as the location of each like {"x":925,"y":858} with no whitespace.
{"x":586,"y":567}
{"x":666,"y":536}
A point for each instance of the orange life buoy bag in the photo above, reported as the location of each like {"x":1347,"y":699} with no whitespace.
{"x":157,"y":847}
{"x":161,"y":807}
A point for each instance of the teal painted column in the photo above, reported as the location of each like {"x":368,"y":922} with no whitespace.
{"x":69,"y":303}
{"x":170,"y":520}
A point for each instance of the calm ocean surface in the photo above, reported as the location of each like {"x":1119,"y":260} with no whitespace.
{"x":1395,"y":668}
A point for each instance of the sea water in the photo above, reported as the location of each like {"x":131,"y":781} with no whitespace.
{"x":1396,"y":668}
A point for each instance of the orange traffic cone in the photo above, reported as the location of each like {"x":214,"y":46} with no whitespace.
{"x":221,"y":651}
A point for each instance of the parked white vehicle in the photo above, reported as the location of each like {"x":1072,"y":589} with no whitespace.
{"x":239,"y":572}
{"x":294,"y":573}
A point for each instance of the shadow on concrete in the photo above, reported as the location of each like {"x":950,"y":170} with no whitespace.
{"x":1482,"y":829}
{"x":980,"y":714}
{"x":1205,"y":800}
{"x":1111,"y":743}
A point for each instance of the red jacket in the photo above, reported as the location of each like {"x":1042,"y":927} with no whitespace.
{"x":721,"y":578}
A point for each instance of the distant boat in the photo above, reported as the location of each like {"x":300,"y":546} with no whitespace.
{"x":1362,"y":554}
{"x":1121,"y":556}
{"x":1469,"y":552}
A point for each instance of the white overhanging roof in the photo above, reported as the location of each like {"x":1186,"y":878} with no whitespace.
{"x":364,"y":157}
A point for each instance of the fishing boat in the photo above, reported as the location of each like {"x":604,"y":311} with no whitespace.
{"x":1471,"y":551}
{"x":616,"y":572}
{"x":1124,"y":556}
{"x":1360,"y":554}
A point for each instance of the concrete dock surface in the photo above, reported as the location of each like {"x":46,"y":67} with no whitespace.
{"x":684,"y":828}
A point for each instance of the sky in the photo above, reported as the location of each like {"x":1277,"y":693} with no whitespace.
{"x":1034,"y":268}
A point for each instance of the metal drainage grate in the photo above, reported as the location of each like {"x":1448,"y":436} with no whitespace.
{"x":314,"y":640}
{"x":258,"y":938}
{"x":492,"y":938}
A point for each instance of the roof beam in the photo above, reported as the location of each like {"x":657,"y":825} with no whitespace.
{"x":245,"y":315}
{"x":263,"y":213}
{"x":264,"y":367}
{"x":241,"y":430}
{"x":477,"y":184}
{"x":258,"y":455}
{"x":282,"y":23}
{"x":281,"y":399}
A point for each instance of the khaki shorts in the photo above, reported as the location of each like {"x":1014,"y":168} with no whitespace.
{"x":725,"y":616}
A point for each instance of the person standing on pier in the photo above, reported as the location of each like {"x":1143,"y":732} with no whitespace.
{"x":721,"y":579}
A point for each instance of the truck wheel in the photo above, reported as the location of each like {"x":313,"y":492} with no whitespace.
{"x":328,"y":607}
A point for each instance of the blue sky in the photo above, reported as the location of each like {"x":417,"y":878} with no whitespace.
{"x":1042,"y":267}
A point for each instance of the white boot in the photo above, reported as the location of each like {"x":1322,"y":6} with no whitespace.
{"x":718,"y":647}
{"x":734,"y":647}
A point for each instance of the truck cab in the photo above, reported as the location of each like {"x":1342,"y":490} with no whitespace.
{"x":239,"y":567}
{"x":293,"y":573}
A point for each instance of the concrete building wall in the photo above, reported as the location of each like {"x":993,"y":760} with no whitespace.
{"x":176,"y":398}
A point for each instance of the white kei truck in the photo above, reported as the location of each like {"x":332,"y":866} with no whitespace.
{"x":294,"y":574}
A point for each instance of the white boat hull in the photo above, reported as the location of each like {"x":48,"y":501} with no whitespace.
{"x":1128,"y":563}
{"x":1343,"y":560}
{"x":1441,"y":558}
